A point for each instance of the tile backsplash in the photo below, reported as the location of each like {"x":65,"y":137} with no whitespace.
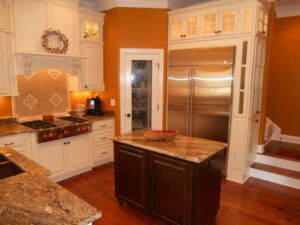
{"x":42,"y":92}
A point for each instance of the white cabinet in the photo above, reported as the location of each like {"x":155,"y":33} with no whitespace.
{"x":186,"y":26}
{"x":65,"y":157}
{"x":33,"y":17}
{"x":6,"y":22}
{"x":219,"y":22}
{"x":101,"y":141}
{"x":262,"y":20}
{"x":91,"y":48}
{"x":4,"y":71}
{"x":18,"y":142}
{"x":246,"y":19}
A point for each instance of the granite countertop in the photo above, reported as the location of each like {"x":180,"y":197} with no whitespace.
{"x":16,"y":128}
{"x":106,"y":115}
{"x":187,"y":148}
{"x":31,"y":198}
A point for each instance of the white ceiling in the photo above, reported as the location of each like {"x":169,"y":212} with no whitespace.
{"x":284,"y":8}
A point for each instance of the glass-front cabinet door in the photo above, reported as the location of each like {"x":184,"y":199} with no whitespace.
{"x":209,"y":23}
{"x":141,"y":92}
{"x":228,"y":21}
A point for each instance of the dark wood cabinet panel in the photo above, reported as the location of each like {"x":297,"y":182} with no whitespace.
{"x":131,"y":176}
{"x":170,"y":189}
{"x":176,"y":191}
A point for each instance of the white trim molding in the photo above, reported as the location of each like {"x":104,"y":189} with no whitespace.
{"x":290,"y":139}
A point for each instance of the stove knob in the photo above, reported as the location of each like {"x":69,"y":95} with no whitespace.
{"x":54,"y":136}
{"x":45,"y":137}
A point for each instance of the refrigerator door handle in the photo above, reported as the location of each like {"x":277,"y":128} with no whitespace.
{"x":191,"y":97}
{"x":188,"y":122}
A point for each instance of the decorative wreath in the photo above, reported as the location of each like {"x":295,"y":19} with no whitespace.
{"x":61,"y":38}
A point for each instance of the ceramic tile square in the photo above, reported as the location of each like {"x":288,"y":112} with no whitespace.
{"x":42,"y":92}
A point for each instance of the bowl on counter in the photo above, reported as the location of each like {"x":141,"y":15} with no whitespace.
{"x":160,"y":135}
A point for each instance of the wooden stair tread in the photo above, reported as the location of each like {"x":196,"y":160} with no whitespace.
{"x":283,"y":150}
{"x":277,"y":170}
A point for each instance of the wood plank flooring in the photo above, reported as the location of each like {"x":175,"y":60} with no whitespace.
{"x":277,"y":170}
{"x":283,"y":150}
{"x":256,"y":202}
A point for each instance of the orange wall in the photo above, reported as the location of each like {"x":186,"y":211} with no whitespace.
{"x":129,"y":28}
{"x":283,"y":92}
{"x":270,"y":48}
{"x":5,"y":106}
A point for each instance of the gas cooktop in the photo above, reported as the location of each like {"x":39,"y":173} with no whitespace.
{"x":62,"y":127}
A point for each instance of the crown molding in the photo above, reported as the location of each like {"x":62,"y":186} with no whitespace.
{"x":288,"y":10}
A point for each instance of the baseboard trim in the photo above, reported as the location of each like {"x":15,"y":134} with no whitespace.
{"x":70,"y":174}
{"x":290,"y":139}
{"x":260,"y":149}
{"x":275,"y":178}
{"x":282,"y":163}
{"x":104,"y":161}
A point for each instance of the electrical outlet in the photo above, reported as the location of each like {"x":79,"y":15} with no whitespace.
{"x":113,"y":102}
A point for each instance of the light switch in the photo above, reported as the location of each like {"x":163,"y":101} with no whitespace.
{"x":113,"y":102}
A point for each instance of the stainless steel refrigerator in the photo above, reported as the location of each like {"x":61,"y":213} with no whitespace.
{"x":200,"y":92}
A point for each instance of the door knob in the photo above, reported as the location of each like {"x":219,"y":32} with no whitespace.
{"x":128,"y":115}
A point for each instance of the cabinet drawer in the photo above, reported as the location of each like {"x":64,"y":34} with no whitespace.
{"x":101,"y":125}
{"x":101,"y":138}
{"x":13,"y":140}
{"x":104,"y":151}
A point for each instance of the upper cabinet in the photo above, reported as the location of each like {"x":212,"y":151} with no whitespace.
{"x":218,"y":22}
{"x":33,"y":17}
{"x":185,"y":26}
{"x":6,"y":22}
{"x":215,"y":20}
{"x":91,"y":48}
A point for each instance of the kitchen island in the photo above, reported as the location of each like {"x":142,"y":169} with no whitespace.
{"x":176,"y":181}
{"x":28,"y":197}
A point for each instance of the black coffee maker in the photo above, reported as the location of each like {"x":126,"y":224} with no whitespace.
{"x":94,"y":106}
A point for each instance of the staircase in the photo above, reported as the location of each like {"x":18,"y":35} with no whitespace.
{"x":280,"y":163}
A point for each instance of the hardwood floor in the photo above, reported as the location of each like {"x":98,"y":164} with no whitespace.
{"x":283,"y":150}
{"x":256,"y":202}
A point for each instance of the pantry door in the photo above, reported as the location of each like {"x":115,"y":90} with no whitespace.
{"x":141,"y":89}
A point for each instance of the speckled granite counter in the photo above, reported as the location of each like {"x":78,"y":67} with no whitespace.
{"x":30,"y":198}
{"x":183,"y":147}
{"x":16,"y":128}
{"x":105,"y":116}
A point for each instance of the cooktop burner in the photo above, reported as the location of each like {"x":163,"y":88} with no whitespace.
{"x":38,"y":124}
{"x":73,"y":119}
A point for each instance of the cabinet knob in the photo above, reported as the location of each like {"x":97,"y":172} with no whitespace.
{"x":86,"y":86}
{"x":216,"y":32}
{"x":211,"y":163}
{"x":257,"y":121}
{"x":257,"y":112}
{"x":128,"y":115}
{"x":219,"y":32}
{"x":264,"y":32}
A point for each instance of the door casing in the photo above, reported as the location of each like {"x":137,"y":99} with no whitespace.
{"x":125,"y":52}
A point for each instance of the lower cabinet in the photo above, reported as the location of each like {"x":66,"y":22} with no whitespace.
{"x":131,"y":176}
{"x":170,"y":189}
{"x":65,"y":157}
{"x":19,"y":142}
{"x":173,"y":190}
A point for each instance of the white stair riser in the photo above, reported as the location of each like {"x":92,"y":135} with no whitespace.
{"x":275,"y":178}
{"x":277,"y":162}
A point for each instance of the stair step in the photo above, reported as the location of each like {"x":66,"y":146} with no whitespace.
{"x":283,"y":150}
{"x":275,"y":175}
{"x":277,"y":170}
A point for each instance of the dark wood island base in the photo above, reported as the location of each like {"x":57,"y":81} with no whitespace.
{"x":170,"y":188}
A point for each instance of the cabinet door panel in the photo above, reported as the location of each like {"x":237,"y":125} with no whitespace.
{"x":33,"y":21}
{"x":171,"y":189}
{"x":4,"y":81}
{"x":93,"y":67}
{"x":64,"y":18}
{"x":176,"y":28}
{"x":52,"y":157}
{"x":228,"y":21}
{"x":78,"y":153}
{"x":131,"y":175}
{"x":209,"y":24}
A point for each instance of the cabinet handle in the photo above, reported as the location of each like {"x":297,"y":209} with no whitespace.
{"x":8,"y":144}
{"x":103,"y":125}
{"x":103,"y":138}
{"x":264,"y":32}
{"x":211,"y":163}
{"x":257,"y":121}
{"x":257,"y":112}
{"x":103,"y":153}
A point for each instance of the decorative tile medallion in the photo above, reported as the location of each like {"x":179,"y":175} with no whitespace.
{"x":29,"y":76}
{"x":55,"y":99}
{"x":30,"y":101}
{"x":54,"y":73}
